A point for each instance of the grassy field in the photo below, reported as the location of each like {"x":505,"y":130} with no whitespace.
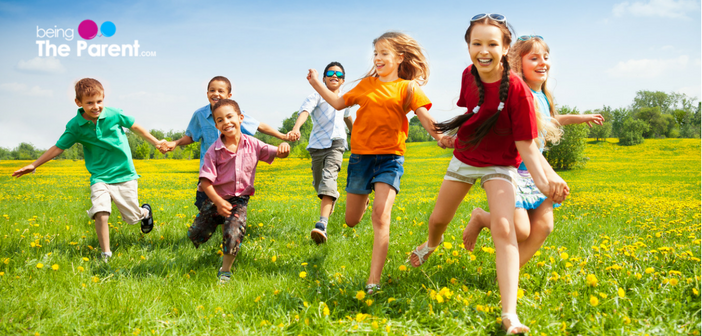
{"x":624,"y":257}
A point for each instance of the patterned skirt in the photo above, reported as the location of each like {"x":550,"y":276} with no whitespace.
{"x":528,"y":195}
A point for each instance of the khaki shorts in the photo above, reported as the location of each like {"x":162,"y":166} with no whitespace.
{"x":461,"y":172}
{"x":125,"y":197}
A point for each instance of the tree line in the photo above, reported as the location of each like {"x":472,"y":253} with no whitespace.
{"x":653,"y":114}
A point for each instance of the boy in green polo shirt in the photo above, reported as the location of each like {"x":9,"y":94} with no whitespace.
{"x":108,"y":158}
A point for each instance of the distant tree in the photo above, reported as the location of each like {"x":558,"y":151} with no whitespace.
{"x":569,"y":153}
{"x":632,"y":132}
{"x":5,"y":154}
{"x":143,"y":151}
{"x":651,"y":99}
{"x":618,"y":117}
{"x":73,"y":153}
{"x":25,"y":151}
{"x":417,"y":133}
{"x":659,"y":124}
{"x":601,"y":131}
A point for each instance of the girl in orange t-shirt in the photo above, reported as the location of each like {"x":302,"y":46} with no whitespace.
{"x":385,"y":95}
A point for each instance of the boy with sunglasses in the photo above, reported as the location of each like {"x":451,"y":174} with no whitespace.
{"x":326,"y":145}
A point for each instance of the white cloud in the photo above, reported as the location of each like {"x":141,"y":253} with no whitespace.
{"x":25,"y":90}
{"x":661,"y":8}
{"x":647,"y":68}
{"x":692,"y":91}
{"x":41,"y":65}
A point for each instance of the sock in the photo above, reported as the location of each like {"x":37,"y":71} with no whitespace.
{"x":109,"y":254}
{"x":324,"y":220}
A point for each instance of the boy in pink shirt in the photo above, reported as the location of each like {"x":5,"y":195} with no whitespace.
{"x":227,"y":177}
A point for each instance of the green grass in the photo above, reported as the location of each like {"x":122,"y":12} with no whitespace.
{"x":631,"y":209}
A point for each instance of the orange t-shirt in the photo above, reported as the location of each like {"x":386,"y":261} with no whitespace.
{"x":381,"y":124}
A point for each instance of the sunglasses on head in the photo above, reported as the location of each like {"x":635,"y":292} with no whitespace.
{"x":338,"y":74}
{"x":497,"y":17}
{"x":528,"y":37}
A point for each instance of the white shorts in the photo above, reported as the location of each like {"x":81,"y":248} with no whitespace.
{"x":461,"y":172}
{"x":125,"y":197}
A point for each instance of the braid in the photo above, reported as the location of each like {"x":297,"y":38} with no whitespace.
{"x":504,"y":86}
{"x":479,"y":84}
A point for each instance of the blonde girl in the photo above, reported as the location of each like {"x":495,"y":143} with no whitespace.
{"x":385,"y":95}
{"x":499,"y":126}
{"x":533,"y":218}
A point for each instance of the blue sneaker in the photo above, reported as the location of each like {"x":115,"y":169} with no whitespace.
{"x":319,"y":233}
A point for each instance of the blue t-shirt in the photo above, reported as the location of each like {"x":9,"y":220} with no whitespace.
{"x":202,"y":128}
{"x":545,"y":109}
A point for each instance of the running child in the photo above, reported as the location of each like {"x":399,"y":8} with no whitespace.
{"x":326,"y":145}
{"x":202,"y":126}
{"x":108,"y":158}
{"x":227,"y":178}
{"x":385,"y":95}
{"x":533,"y":219}
{"x":499,"y":126}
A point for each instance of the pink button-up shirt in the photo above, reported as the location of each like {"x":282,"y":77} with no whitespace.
{"x":232,"y":174}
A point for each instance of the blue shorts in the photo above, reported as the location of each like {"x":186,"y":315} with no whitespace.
{"x":366,"y":170}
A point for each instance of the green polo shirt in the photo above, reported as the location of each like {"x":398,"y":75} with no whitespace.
{"x":105,"y":146}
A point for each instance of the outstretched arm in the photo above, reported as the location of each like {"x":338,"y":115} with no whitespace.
{"x":48,"y":155}
{"x":267,"y":129}
{"x":428,"y":123}
{"x":568,"y":119}
{"x":142,"y":132}
{"x":549,"y":185}
{"x":294,"y":134}
{"x":335,"y":101}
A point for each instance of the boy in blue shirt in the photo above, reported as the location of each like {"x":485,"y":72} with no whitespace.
{"x":108,"y":158}
{"x":202,"y":126}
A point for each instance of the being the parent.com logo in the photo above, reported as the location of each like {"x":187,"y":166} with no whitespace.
{"x":88,"y":30}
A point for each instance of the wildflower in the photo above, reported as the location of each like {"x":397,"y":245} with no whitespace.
{"x":393,"y":299}
{"x":85,"y":259}
{"x":369,"y":302}
{"x":360,"y":317}
{"x":374,"y":325}
{"x":454,"y":281}
{"x":594,"y":301}
{"x":325,"y":311}
{"x":258,"y":298}
{"x":403,"y":268}
{"x":304,"y":303}
{"x":40,"y":265}
{"x":649,"y":270}
{"x":591,"y":280}
{"x":564,"y":256}
{"x":273,"y":258}
{"x":626,"y":319}
{"x":488,"y":249}
{"x":696,"y":292}
{"x":95,"y":279}
{"x":303,"y":274}
{"x":448,"y":245}
{"x":621,"y":292}
{"x":454,"y":253}
{"x":520,"y":293}
{"x":360,"y":295}
{"x":673,"y":281}
{"x":439,"y":298}
{"x":55,"y":267}
{"x":2,"y":273}
{"x":603,"y":295}
{"x":304,"y":264}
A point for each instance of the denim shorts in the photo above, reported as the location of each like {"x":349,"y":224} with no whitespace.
{"x":366,"y":170}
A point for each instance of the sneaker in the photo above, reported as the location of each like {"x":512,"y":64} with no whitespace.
{"x":105,"y":256}
{"x":319,"y":233}
{"x":224,"y":277}
{"x":147,"y":224}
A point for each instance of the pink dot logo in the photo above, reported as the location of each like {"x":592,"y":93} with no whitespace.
{"x":87,"y":29}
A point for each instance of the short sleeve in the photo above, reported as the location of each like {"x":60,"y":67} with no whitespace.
{"x":351,"y":97}
{"x":266,"y":152}
{"x":419,"y":99}
{"x":124,"y":120}
{"x":209,"y":166}
{"x":310,"y":103}
{"x":194,"y":130}
{"x":250,"y":125}
{"x":66,"y":140}
{"x":461,"y":98}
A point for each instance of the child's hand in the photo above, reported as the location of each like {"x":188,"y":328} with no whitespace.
{"x":224,"y":208}
{"x":447,"y":141}
{"x":594,"y":118}
{"x":167,"y":146}
{"x":294,"y":135}
{"x":25,"y":170}
{"x":558,"y":188}
{"x":313,"y":77}
{"x":283,"y":150}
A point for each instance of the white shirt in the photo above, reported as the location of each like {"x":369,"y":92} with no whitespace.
{"x":327,"y":123}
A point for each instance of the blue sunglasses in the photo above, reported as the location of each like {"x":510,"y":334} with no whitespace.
{"x":529,"y":37}
{"x":338,"y":74}
{"x":497,"y":17}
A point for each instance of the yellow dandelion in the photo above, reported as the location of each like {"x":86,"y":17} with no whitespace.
{"x":369,"y":302}
{"x":304,"y":303}
{"x":520,"y":293}
{"x":303,"y":274}
{"x":591,"y":280}
{"x":374,"y":324}
{"x":564,"y":256}
{"x":603,"y":295}
{"x":258,"y":298}
{"x":40,"y":265}
{"x":673,"y":281}
{"x":360,"y":295}
{"x":696,"y":292}
{"x":649,"y":270}
{"x":626,"y":319}
{"x":403,"y":268}
{"x":95,"y":279}
{"x":55,"y":267}
{"x":2,"y":273}
{"x":454,"y":253}
{"x":454,"y":281}
{"x":393,"y":299}
{"x":274,"y":258}
{"x":594,"y":301}
{"x":439,"y":298}
{"x":448,"y":245}
{"x":325,"y":311}
{"x":621,"y":292}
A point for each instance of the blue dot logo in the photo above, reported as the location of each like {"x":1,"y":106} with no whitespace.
{"x":108,"y":28}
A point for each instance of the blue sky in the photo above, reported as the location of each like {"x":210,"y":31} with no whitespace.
{"x":602,"y":53}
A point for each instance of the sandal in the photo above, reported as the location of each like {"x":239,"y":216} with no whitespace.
{"x":372,"y":289}
{"x":423,"y":251}
{"x":514,"y":324}
{"x":224,"y":277}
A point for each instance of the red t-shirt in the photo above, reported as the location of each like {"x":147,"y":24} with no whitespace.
{"x":516,"y":122}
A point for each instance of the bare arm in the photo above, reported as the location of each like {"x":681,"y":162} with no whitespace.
{"x":267,"y":129}
{"x":532,"y":159}
{"x":428,"y":123}
{"x":569,"y":119}
{"x":223,"y":207}
{"x":294,"y":134}
{"x":171,"y":145}
{"x":48,"y":155}
{"x":142,"y":132}
{"x":335,"y":101}
{"x":349,"y":122}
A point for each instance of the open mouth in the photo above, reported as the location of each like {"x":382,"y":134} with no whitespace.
{"x":485,"y":61}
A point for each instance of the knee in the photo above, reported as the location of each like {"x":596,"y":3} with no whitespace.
{"x":542,"y":227}
{"x":351,"y":222}
{"x":380,"y":218}
{"x":500,"y":228}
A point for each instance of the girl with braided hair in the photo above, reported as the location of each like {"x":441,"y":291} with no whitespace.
{"x":499,"y":126}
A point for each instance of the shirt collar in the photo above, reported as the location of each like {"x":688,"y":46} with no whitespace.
{"x":82,"y":121}
{"x":219,"y":144}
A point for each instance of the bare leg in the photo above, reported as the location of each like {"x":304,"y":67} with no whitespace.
{"x":382,"y":211}
{"x":500,"y":196}
{"x":356,"y":207}
{"x":326,"y":207}
{"x":450,"y":197}
{"x":541,"y":220}
{"x":479,"y":219}
{"x":102,"y":229}
{"x":227,"y":261}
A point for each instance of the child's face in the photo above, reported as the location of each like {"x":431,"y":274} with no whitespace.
{"x":486,"y":50}
{"x":386,"y":61}
{"x":333,"y":83}
{"x":227,"y":120}
{"x":535,"y":67}
{"x":92,"y":106}
{"x":216,"y":91}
